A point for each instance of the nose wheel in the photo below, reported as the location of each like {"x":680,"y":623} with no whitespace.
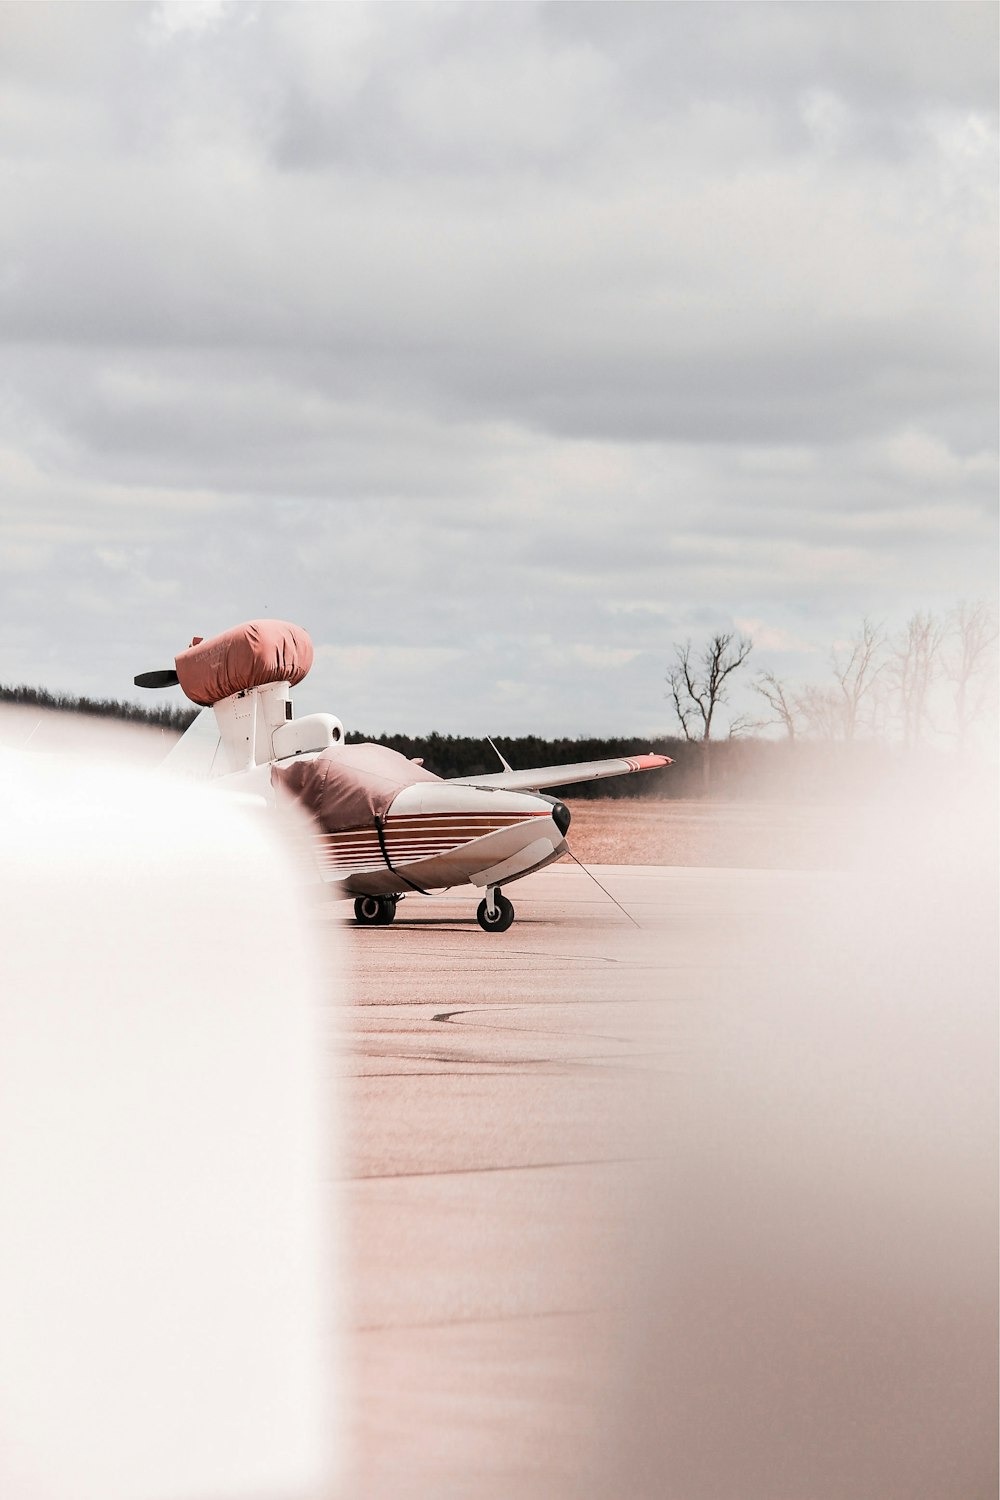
{"x":375,"y":911}
{"x":496,"y":913}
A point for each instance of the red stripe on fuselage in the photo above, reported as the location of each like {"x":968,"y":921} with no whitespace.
{"x":412,"y":837}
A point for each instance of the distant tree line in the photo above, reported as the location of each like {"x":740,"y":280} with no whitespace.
{"x":165,"y":717}
{"x":909,"y":698}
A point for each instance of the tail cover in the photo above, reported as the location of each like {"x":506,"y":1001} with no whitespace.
{"x":248,"y":656}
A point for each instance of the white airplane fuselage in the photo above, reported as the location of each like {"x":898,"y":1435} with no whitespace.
{"x":437,"y":835}
{"x":433,"y":836}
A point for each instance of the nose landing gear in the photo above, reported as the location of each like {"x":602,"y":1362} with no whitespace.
{"x":496,"y":913}
{"x":375,"y":911}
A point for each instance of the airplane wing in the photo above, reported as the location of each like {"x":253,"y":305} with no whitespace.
{"x":587,"y":770}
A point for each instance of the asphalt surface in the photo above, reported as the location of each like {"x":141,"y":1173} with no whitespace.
{"x":497,"y":1091}
{"x":756,"y":1059}
{"x":491,"y":1151}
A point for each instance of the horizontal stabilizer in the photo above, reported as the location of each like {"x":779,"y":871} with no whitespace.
{"x":588,"y":770}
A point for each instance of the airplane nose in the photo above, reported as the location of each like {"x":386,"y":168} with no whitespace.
{"x":560,"y":816}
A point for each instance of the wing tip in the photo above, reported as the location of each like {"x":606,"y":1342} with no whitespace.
{"x":648,"y":762}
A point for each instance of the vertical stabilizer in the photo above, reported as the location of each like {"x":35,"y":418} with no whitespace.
{"x":247,"y":721}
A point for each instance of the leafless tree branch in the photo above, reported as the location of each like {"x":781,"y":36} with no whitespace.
{"x":857,"y":668}
{"x":915,"y":666}
{"x":970,"y":665}
{"x":782,"y":707}
{"x":698,"y":686}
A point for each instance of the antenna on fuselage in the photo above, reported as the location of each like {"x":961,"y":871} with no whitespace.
{"x":499,"y":757}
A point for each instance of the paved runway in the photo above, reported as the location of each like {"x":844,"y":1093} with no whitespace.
{"x":495,"y":1152}
{"x":517,"y":1103}
{"x":489,"y":1153}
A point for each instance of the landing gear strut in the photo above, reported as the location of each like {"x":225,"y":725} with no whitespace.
{"x":375,"y":911}
{"x":496,"y":913}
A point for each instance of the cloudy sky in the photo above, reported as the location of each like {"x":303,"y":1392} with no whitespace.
{"x":500,"y":346}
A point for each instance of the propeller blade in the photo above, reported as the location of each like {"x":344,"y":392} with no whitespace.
{"x":157,"y":679}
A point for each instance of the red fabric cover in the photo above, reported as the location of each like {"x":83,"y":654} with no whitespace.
{"x":347,"y":786}
{"x":247,"y":656}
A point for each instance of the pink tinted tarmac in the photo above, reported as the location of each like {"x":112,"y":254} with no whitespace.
{"x":662,"y":1212}
{"x":494,"y":1155}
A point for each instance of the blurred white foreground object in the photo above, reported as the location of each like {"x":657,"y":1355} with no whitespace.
{"x":164,"y":1162}
{"x":815,"y":1315}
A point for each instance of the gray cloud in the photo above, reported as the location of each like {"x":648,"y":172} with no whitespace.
{"x":450,"y":329}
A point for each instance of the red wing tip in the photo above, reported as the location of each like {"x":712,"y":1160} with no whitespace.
{"x":648,"y":762}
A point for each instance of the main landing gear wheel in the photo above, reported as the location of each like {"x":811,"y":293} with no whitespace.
{"x":500,"y":918}
{"x":375,"y":911}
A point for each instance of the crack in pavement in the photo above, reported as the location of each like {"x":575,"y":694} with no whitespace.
{"x":530,"y":1166}
{"x":513,"y":1317}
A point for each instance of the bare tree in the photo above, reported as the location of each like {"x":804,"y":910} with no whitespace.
{"x":698,"y":685}
{"x":970,"y":665}
{"x":857,"y":668}
{"x":915,"y":666}
{"x":782,"y":706}
{"x":835,"y":712}
{"x":820,"y":710}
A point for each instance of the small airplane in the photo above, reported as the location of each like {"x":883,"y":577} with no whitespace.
{"x":384,"y":825}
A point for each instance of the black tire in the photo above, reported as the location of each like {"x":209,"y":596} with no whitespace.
{"x":374,"y":911}
{"x":503,"y":918}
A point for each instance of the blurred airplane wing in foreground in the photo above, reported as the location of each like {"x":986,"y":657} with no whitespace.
{"x":170,"y":1190}
{"x":197,"y":754}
